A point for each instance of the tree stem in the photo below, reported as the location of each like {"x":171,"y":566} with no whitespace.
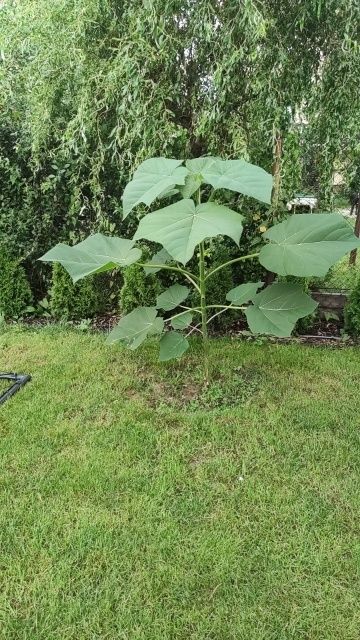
{"x":204,"y":313}
{"x":226,"y":264}
{"x":190,"y":276}
{"x":182,"y":313}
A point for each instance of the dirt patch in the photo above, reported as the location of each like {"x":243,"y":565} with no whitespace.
{"x":321,"y":333}
{"x":239,"y":386}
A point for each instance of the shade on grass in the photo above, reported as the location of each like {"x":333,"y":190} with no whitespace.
{"x":121,"y":520}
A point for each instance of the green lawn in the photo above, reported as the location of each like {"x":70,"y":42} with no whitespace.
{"x":4,"y":384}
{"x":126,"y":517}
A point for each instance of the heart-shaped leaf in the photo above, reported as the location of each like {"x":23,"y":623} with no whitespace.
{"x":154,"y":178}
{"x":161,"y":257}
{"x":135,"y":327}
{"x":172,"y":345}
{"x":200,"y":165}
{"x":307,"y":245}
{"x":182,"y":322}
{"x":172,"y":297}
{"x":192,"y":184}
{"x":96,"y":254}
{"x":243,"y":293}
{"x":182,"y":226}
{"x":276,"y":309}
{"x":236,"y":175}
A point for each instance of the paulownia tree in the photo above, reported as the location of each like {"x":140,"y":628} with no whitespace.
{"x":302,"y":245}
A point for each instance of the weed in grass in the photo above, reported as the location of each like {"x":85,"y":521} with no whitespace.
{"x":182,"y":386}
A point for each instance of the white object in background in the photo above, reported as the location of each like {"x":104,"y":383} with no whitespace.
{"x":302,"y":201}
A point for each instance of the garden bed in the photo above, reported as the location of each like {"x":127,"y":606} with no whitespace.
{"x":331,"y":301}
{"x":322,"y":331}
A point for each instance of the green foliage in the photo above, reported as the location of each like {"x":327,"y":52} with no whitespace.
{"x":276,"y":309}
{"x":89,"y":89}
{"x":96,"y":254}
{"x":291,"y":165}
{"x":307,"y":245}
{"x":235,"y":175}
{"x":172,"y":346}
{"x":15,"y":292}
{"x":153,"y":179}
{"x":341,"y":275}
{"x":299,"y":246}
{"x":172,"y":297}
{"x":243,"y":292}
{"x":352,"y":312}
{"x":139,"y":289}
{"x":75,"y":301}
{"x":136,"y":326}
{"x":220,"y":283}
{"x":193,"y":224}
{"x":304,"y":324}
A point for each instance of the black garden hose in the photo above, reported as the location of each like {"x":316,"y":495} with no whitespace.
{"x":19,"y":380}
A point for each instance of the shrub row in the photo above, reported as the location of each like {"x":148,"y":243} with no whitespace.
{"x":98,"y":294}
{"x":15,"y":292}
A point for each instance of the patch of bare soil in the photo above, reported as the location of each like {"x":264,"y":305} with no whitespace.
{"x":236,"y":388}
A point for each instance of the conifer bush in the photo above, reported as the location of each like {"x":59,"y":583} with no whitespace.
{"x":15,"y":292}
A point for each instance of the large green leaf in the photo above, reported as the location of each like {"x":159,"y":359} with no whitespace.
{"x":135,"y":327}
{"x":198,"y":166}
{"x":172,"y":297}
{"x":154,"y":178}
{"x":307,"y":245}
{"x":236,"y":175}
{"x":182,"y":226}
{"x":96,"y":254}
{"x":161,"y":257}
{"x":172,"y":345}
{"x":192,"y":184}
{"x":277,"y":308}
{"x":182,"y":322}
{"x":243,"y":293}
{"x":194,"y":180}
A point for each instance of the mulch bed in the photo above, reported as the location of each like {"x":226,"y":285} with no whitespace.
{"x":322,"y":333}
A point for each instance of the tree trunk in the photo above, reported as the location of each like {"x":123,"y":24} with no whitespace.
{"x":276,"y":171}
{"x":353,"y":254}
{"x":275,"y":196}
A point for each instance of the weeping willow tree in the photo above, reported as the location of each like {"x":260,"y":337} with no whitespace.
{"x":89,"y":88}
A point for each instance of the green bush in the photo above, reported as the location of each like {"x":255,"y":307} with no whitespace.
{"x":219,"y":284}
{"x":352,"y":312}
{"x":84,"y":299}
{"x":15,"y":292}
{"x":138,"y":289}
{"x":251,"y":241}
{"x":341,"y":275}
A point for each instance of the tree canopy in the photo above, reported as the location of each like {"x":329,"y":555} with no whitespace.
{"x":89,"y":89}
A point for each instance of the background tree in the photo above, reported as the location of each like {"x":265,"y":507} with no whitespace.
{"x":90,"y":89}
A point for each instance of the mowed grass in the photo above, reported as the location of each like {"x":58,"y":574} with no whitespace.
{"x":120,"y":520}
{"x":4,"y":385}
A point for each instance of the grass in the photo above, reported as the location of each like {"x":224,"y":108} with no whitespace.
{"x":4,"y":384}
{"x":123,"y":518}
